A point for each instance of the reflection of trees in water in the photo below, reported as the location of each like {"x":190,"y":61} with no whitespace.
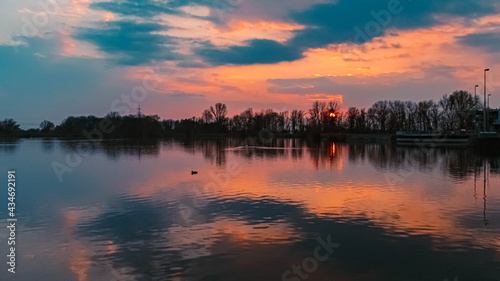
{"x":274,"y":149}
{"x":356,"y":153}
{"x":9,"y":145}
{"x":213,"y":150}
{"x":459,"y":164}
{"x":464,"y":164}
{"x":325,"y":154}
{"x":250,"y":148}
{"x":389,"y":157}
{"x":138,"y":148}
{"x":113,"y":149}
{"x":48,"y":145}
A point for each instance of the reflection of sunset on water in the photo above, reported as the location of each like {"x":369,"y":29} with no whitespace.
{"x":332,"y":150}
{"x":198,"y":240}
{"x":261,"y":202}
{"x":341,"y":191}
{"x":227,"y":140}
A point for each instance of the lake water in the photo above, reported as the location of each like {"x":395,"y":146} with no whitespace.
{"x":287,"y":211}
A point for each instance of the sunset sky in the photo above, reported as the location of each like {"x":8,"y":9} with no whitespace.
{"x":82,"y":57}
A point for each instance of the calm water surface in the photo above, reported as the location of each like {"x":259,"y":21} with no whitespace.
{"x":133,"y":211}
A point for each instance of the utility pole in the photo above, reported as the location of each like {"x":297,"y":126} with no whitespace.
{"x":139,"y":111}
{"x":489,"y":104}
{"x":475,"y":109}
{"x":475,"y":100}
{"x":484,"y":109}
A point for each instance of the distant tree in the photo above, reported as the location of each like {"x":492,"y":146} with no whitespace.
{"x":316,"y":112}
{"x":434,"y":115}
{"x":371,"y":119}
{"x":380,"y":113}
{"x":333,"y":107}
{"x":219,"y":113}
{"x":458,"y":110}
{"x":247,"y":119}
{"x":411,"y":114}
{"x":112,"y":115}
{"x":352,"y":117}
{"x":397,"y":116}
{"x":9,"y":126}
{"x":271,"y":120}
{"x":75,"y":125}
{"x":340,"y":118}
{"x":168,"y":125}
{"x":423,"y":115}
{"x":450,"y":113}
{"x":284,"y":121}
{"x":236,"y":123}
{"x":47,"y":126}
{"x":463,"y":103}
{"x":297,"y":120}
{"x":329,"y":122}
{"x":361,"y":122}
{"x":207,"y":116}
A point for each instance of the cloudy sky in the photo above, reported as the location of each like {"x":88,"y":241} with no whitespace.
{"x":178,"y":57}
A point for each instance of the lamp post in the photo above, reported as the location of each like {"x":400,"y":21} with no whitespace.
{"x":488,"y":114}
{"x":475,"y":100}
{"x":475,"y":109}
{"x":484,"y":110}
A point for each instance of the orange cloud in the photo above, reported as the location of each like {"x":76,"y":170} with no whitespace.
{"x":278,"y":31}
{"x":108,"y":16}
{"x":418,"y":55}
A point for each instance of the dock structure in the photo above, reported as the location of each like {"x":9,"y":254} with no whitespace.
{"x":432,"y":139}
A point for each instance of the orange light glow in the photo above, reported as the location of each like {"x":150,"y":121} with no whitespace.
{"x":108,"y":16}
{"x":332,"y":115}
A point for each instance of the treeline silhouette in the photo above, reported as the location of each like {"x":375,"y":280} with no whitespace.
{"x":454,"y":112}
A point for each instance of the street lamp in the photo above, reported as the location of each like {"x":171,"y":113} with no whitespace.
{"x":475,"y":100}
{"x":489,"y":105}
{"x":484,"y":110}
{"x":475,"y":109}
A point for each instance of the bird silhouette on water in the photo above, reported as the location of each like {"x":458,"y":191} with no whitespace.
{"x":194,"y":172}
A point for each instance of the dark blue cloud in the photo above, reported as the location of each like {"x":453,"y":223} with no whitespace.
{"x":145,"y":8}
{"x":489,"y":41}
{"x":150,"y":8}
{"x":217,"y":4}
{"x":359,"y":21}
{"x":355,"y":21}
{"x":258,"y":51}
{"x":131,"y":43}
